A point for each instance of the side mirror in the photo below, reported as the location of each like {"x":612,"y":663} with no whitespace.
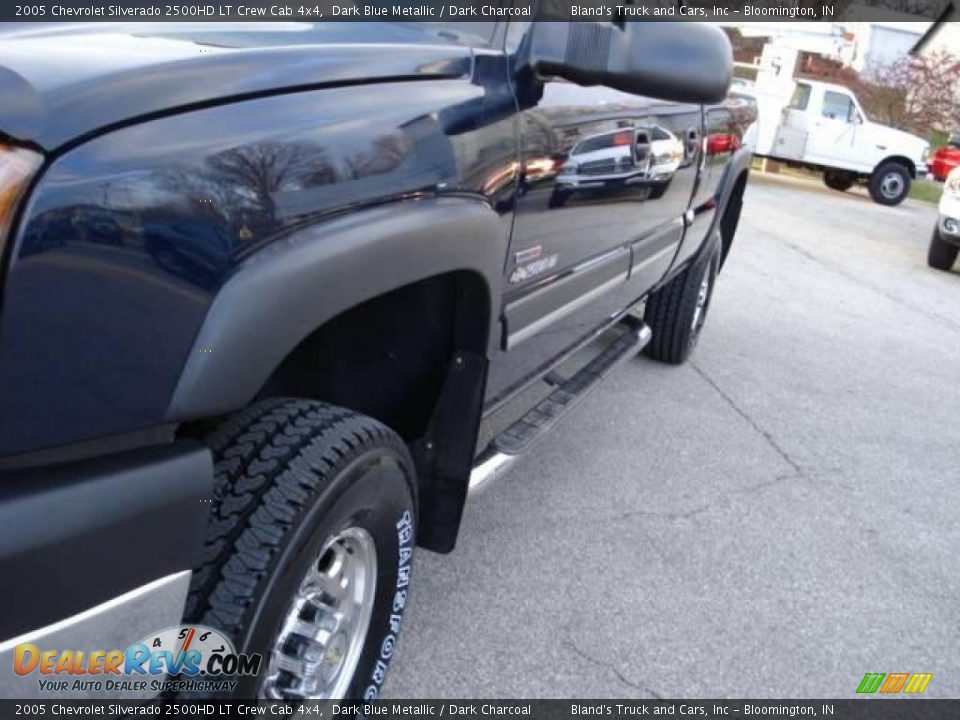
{"x":678,"y":61}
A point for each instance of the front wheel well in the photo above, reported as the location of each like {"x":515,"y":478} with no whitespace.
{"x":415,"y":359}
{"x":388,"y":357}
{"x":900,"y":160}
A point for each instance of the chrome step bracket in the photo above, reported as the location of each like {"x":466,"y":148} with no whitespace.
{"x":521,"y":436}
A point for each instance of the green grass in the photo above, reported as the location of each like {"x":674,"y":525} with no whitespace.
{"x":936,"y":138}
{"x":926,"y":190}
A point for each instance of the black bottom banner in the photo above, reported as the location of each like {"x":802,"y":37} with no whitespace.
{"x":859,"y":709}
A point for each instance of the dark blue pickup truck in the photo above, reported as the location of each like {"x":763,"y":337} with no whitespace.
{"x":262,"y":286}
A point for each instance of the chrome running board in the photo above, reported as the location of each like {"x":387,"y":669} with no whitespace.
{"x":511,"y":444}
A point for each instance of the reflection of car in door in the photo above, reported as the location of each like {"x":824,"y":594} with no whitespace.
{"x":601,"y":162}
{"x":667,"y":154}
{"x":644,"y":158}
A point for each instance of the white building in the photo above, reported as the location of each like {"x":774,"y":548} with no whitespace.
{"x":858,"y":44}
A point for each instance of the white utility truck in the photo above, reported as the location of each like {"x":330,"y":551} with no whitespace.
{"x":822,"y":126}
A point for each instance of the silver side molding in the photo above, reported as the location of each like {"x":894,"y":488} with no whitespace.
{"x":114,"y":624}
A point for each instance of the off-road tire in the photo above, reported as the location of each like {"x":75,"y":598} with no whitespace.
{"x":878,"y":177}
{"x":941,"y":255}
{"x":671,"y":309}
{"x":838,"y":181}
{"x":289,"y":473}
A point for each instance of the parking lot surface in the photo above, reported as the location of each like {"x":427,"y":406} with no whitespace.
{"x":774,"y":519}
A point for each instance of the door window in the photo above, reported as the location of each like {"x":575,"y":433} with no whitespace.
{"x":801,"y":97}
{"x":463,"y":33}
{"x":838,"y":106}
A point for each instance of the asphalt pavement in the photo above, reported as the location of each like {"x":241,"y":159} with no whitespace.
{"x":774,"y":519}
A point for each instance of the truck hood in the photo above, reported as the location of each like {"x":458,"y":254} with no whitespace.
{"x":898,"y":142}
{"x":61,"y":83}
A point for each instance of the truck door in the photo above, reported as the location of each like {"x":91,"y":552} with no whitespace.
{"x":793,"y":130}
{"x":834,"y":128}
{"x":605,"y":180}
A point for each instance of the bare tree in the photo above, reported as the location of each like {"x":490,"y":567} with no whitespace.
{"x":915,"y":93}
{"x":267,"y":168}
{"x":384,"y":155}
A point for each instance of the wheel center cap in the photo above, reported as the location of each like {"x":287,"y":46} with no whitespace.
{"x":333,"y":657}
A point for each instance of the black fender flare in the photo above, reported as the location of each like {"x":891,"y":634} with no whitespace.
{"x":282,"y":294}
{"x":728,"y":216}
{"x":694,"y":243}
{"x":739,"y":163}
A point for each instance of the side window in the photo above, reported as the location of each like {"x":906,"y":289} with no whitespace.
{"x":463,"y":33}
{"x":801,"y":97}
{"x":837,"y":106}
{"x":658,"y":133}
{"x":467,"y":33}
{"x":515,"y":33}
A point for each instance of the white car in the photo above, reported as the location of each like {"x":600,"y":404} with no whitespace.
{"x":643,"y":157}
{"x":945,"y":243}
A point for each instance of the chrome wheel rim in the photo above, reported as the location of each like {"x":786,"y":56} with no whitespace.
{"x":702,"y":296}
{"x":321,"y":637}
{"x":892,"y":185}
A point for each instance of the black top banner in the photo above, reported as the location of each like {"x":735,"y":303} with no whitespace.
{"x":45,"y":11}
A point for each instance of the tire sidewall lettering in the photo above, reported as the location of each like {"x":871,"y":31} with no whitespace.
{"x":405,"y":535}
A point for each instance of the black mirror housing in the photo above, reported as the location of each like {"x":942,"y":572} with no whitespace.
{"x":678,"y":61}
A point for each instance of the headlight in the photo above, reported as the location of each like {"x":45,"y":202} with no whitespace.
{"x":17,"y":166}
{"x":925,"y":154}
{"x":952,"y":186}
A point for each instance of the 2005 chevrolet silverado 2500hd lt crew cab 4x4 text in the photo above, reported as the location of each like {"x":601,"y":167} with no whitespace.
{"x":258,"y":300}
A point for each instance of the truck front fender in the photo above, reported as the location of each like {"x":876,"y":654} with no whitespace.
{"x":281,"y":295}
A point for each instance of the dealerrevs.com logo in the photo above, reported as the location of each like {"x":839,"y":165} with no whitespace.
{"x":202,"y":657}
